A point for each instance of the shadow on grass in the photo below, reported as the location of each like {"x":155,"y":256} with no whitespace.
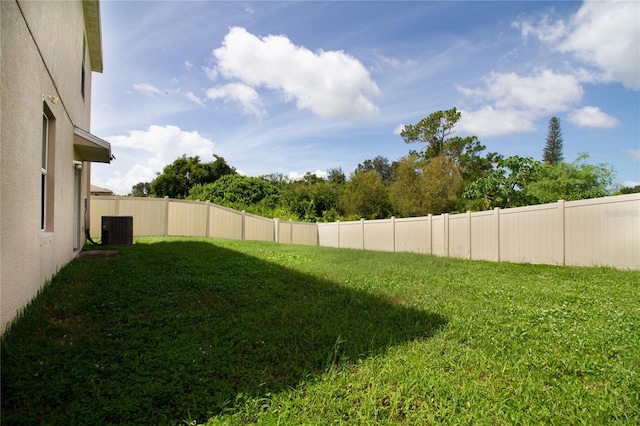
{"x":177,"y":330}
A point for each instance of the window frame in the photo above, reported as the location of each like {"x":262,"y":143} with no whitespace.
{"x":44,"y":163}
{"x":47,"y":170}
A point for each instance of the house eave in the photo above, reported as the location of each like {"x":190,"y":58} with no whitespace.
{"x":90,"y":147}
{"x":94,"y":33}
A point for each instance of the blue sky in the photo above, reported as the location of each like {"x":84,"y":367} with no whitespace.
{"x":296,"y":87}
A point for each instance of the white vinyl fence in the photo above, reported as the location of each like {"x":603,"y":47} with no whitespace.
{"x":168,"y":217}
{"x":597,"y":232}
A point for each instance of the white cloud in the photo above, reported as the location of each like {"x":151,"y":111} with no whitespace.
{"x":512,"y":103}
{"x":210,"y":72}
{"x":398,"y":129}
{"x":592,"y":117}
{"x":195,"y":99}
{"x":542,"y":93}
{"x":298,"y":176}
{"x":165,"y":143}
{"x":603,"y":34}
{"x":188,"y":65}
{"x":245,"y":95}
{"x":328,"y":83}
{"x":545,"y":30}
{"x":488,"y":121}
{"x":121,"y":184}
{"x":633,"y":154}
{"x":165,"y":140}
{"x":147,"y":89}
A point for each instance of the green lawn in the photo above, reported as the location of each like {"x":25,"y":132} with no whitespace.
{"x":185,"y":331}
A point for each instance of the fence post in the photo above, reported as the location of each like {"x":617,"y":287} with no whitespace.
{"x":563,"y":233}
{"x":469,"y":233}
{"x":242,"y":231}
{"x":497,"y":215}
{"x":362,"y":230}
{"x":393,"y":231}
{"x":445,"y":220}
{"x":166,"y":215}
{"x":277,"y":230}
{"x":430,"y":219}
{"x":290,"y":231}
{"x":207,"y":224}
{"x":338,"y":232}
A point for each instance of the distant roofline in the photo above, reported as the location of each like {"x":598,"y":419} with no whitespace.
{"x":95,"y":188}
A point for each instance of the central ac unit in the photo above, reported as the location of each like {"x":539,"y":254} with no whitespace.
{"x":117,"y":229}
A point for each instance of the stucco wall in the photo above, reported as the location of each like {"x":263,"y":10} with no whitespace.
{"x":40,"y":54}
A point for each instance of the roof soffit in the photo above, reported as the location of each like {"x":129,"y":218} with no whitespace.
{"x":94,"y":33}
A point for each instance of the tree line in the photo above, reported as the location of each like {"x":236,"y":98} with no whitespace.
{"x":447,"y":174}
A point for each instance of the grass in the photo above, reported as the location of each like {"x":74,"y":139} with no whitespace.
{"x":186,"y":331}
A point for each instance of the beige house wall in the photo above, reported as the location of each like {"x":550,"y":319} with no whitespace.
{"x":40,"y":68}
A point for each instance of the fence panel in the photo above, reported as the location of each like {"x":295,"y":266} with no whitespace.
{"x":187,"y":218}
{"x":378,"y":235}
{"x":284,"y":231}
{"x":304,"y":233}
{"x":328,"y":234}
{"x":532,"y":234}
{"x":439,"y":235}
{"x":413,"y":234}
{"x":351,"y":235}
{"x":101,"y":206}
{"x":485,"y":242}
{"x":460,"y":235}
{"x":258,"y":228}
{"x":603,"y":231}
{"x":225,"y":223}
{"x":149,"y":215}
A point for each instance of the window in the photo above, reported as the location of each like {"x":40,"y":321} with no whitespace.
{"x":46,"y":171}
{"x":82,"y":72}
{"x":43,"y":172}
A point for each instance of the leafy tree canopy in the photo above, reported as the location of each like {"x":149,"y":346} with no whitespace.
{"x":629,"y":190}
{"x":519,"y":181}
{"x":315,"y":199}
{"x":141,"y":189}
{"x":184,"y":173}
{"x":425,"y":187}
{"x":506,"y":185}
{"x":437,"y":130}
{"x":336,"y":176}
{"x":571,"y":181}
{"x":366,"y":196}
{"x":434,"y":131}
{"x":381,"y":165}
{"x":235,"y":191}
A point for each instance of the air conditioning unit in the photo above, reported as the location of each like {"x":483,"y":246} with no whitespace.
{"x":117,"y":229}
